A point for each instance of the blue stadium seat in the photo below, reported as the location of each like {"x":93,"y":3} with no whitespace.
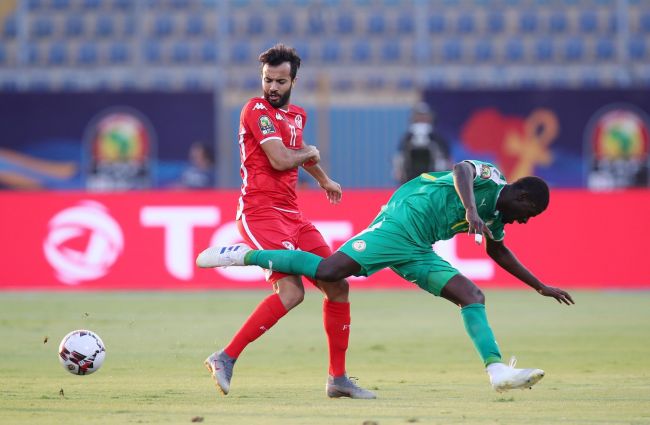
{"x":255,"y":25}
{"x":61,"y":4}
{"x":544,"y":50}
{"x":9,"y":86}
{"x":3,"y":54}
{"x":605,"y":49}
{"x":528,"y":21}
{"x":495,"y":22}
{"x":302,"y":48}
{"x":209,"y":52}
{"x":57,"y":54}
{"x":240,"y":52}
{"x":376,"y":23}
{"x":43,"y":27}
{"x":180,"y":4}
{"x":452,"y":50}
{"x":194,"y":25}
{"x":644,"y":22}
{"x":466,"y":23}
{"x":636,"y":48}
{"x":74,"y":25}
{"x":573,"y":49}
{"x":484,"y":50}
{"x":118,"y":53}
{"x":163,"y":26}
{"x":92,"y":4}
{"x":123,"y":4}
{"x":10,"y":27}
{"x":330,"y":51}
{"x":405,"y":83}
{"x":105,"y":26}
{"x":361,"y":51}
{"x":87,"y":54}
{"x":422,"y":51}
{"x":32,"y":54}
{"x":514,"y":50}
{"x":390,"y":50}
{"x":345,"y":22}
{"x":375,"y":82}
{"x":35,"y":5}
{"x":588,"y":21}
{"x":152,"y":51}
{"x":405,"y":23}
{"x":315,"y":23}
{"x":286,"y":23}
{"x":436,"y":24}
{"x":180,"y":52}
{"x":558,"y":22}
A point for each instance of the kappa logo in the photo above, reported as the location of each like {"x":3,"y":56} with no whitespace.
{"x":259,"y":106}
{"x":346,"y":328}
{"x":298,"y":121}
{"x":359,"y":245}
{"x":278,"y":116}
{"x":266,"y":125}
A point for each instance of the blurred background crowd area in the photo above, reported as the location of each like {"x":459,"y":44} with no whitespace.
{"x":565,"y":81}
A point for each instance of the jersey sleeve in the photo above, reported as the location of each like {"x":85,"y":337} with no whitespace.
{"x":261,"y":122}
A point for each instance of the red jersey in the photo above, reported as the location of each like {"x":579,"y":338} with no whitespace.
{"x":263,"y":186}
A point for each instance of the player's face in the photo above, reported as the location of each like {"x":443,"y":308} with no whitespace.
{"x":520,"y":210}
{"x":277,"y":84}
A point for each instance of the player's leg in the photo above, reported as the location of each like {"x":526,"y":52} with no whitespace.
{"x":288,"y":292}
{"x":464,"y":293}
{"x":336,"y":319}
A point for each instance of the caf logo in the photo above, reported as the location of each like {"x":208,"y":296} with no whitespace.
{"x":88,"y":224}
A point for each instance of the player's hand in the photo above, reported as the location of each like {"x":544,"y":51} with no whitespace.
{"x":475,"y":224}
{"x":557,"y":293}
{"x":333,"y":191}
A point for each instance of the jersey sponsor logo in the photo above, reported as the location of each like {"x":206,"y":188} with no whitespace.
{"x":278,"y":116}
{"x":266,"y":125}
{"x":359,"y":245}
{"x":486,"y":171}
{"x":259,"y":106}
{"x":482,"y":203}
{"x":288,"y":245}
{"x":298,"y":121}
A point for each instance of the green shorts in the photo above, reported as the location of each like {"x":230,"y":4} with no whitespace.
{"x":386,"y":244}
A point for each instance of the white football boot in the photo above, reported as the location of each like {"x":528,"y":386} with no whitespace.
{"x":504,"y":378}
{"x":223,"y":256}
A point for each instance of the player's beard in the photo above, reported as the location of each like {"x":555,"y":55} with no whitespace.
{"x":282,"y":101}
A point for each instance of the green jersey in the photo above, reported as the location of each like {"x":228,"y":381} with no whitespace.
{"x":429,"y":209}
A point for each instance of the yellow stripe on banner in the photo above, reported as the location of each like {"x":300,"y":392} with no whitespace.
{"x":460,"y":223}
{"x":428,"y":177}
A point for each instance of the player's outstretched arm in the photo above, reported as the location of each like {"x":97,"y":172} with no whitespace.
{"x":331,"y":188}
{"x":501,"y":255}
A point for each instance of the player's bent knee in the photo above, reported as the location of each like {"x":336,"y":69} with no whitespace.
{"x":331,"y":275}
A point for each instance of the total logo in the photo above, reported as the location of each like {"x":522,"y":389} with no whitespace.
{"x":87,"y":224}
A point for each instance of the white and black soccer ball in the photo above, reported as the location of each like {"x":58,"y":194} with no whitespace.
{"x":82,"y":352}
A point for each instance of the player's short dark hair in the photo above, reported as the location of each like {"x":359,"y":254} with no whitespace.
{"x":537,"y":190}
{"x":279,"y":54}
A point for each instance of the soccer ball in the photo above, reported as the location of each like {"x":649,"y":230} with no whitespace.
{"x":82,"y":352}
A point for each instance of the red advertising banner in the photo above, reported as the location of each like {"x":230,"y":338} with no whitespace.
{"x":149,"y":240}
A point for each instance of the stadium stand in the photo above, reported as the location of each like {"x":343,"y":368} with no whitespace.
{"x":481,"y":38}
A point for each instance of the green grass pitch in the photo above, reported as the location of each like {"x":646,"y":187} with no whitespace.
{"x":409,"y":347}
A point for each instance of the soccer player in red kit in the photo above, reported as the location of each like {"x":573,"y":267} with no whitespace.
{"x":271,"y":150}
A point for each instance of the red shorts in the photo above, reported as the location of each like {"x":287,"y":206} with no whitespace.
{"x":279,"y":230}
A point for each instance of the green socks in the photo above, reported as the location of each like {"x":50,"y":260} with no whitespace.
{"x":478,"y":329}
{"x":285,"y":261}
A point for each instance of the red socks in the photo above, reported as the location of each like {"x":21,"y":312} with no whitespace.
{"x":336,"y":318}
{"x":267,"y":313}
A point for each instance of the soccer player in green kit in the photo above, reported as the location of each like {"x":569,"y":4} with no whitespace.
{"x":473,"y":198}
